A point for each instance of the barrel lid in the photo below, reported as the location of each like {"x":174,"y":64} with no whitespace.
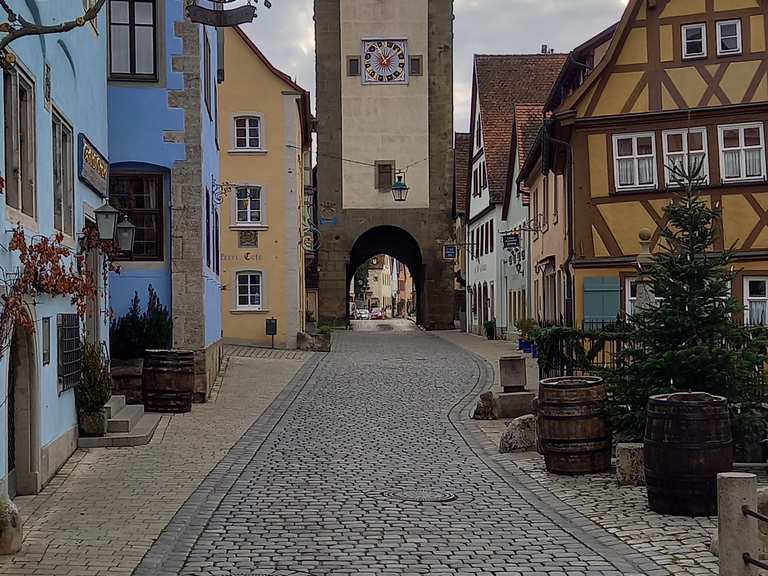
{"x":572,"y":382}
{"x":689,"y":398}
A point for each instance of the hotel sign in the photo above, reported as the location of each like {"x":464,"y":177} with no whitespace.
{"x":92,"y":166}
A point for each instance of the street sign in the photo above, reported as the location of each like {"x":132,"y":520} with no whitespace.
{"x":272,"y":329}
{"x":450,"y":252}
{"x":512,"y":241}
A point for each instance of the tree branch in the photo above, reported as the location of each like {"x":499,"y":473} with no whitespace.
{"x":27,"y":28}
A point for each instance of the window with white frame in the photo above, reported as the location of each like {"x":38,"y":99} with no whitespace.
{"x":249,"y":206}
{"x":685,"y":150}
{"x":635,"y":161}
{"x":20,"y":157}
{"x":728,"y":37}
{"x":756,"y":300}
{"x":63,"y":175}
{"x":631,"y":296}
{"x":248,"y":133}
{"x":742,"y":152}
{"x":250,"y":285}
{"x":694,"y":40}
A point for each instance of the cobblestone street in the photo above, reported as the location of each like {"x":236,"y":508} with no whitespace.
{"x":323,"y":487}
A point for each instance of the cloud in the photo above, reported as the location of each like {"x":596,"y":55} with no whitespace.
{"x":285,"y":34}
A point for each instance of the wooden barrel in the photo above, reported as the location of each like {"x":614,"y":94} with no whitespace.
{"x":687,"y":444}
{"x":168,"y":381}
{"x":573,"y":433}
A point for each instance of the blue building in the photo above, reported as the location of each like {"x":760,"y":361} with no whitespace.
{"x":164,"y":168}
{"x":55,"y":145}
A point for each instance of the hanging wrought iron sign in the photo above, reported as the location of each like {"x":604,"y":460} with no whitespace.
{"x":512,"y":241}
{"x":214,"y":12}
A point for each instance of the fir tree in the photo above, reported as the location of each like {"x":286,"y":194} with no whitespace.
{"x":692,"y":339}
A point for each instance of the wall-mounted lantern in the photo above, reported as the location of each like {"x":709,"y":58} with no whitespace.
{"x":106,"y":221}
{"x":126,"y":234}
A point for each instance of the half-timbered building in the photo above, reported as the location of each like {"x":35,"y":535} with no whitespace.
{"x":674,"y":80}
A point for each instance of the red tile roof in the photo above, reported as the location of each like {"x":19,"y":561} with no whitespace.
{"x":502,"y":81}
{"x":528,"y":121}
{"x":462,"y":151}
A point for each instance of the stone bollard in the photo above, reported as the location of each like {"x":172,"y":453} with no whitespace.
{"x":737,"y":533}
{"x":10,"y":525}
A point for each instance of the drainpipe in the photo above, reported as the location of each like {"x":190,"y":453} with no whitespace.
{"x":569,"y":287}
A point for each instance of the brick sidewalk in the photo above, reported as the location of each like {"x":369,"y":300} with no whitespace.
{"x":107,"y":506}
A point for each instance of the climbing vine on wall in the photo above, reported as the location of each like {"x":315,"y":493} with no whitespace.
{"x":47,"y":266}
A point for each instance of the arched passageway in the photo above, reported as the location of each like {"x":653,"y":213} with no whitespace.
{"x":398,"y":244}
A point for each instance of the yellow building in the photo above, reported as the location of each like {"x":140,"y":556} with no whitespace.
{"x":673,"y":80}
{"x":265,"y":139}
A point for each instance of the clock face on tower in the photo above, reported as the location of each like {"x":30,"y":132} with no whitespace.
{"x":385,"y":62}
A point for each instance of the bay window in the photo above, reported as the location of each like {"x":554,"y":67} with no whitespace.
{"x":685,"y":150}
{"x":742,"y":152}
{"x":634,"y":161}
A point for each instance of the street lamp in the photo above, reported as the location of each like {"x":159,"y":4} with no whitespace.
{"x":126,"y":234}
{"x":400,"y":188}
{"x":106,"y":220}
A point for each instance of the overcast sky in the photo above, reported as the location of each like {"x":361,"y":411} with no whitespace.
{"x":285,"y":33}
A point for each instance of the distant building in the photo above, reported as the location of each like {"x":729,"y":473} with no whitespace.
{"x":506,"y":92}
{"x":265,"y":135}
{"x":164,"y":169}
{"x":55,"y":117}
{"x":462,"y":150}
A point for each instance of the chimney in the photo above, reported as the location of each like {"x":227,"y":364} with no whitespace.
{"x":544,"y":49}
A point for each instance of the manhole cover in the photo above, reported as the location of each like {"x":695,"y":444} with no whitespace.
{"x":422,"y":496}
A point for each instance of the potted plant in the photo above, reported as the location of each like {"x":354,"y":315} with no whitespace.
{"x":524,"y":327}
{"x":94,"y":391}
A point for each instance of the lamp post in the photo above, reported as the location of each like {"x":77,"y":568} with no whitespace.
{"x":400,"y":188}
{"x":106,"y":221}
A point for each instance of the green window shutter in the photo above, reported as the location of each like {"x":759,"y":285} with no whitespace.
{"x":602,"y":301}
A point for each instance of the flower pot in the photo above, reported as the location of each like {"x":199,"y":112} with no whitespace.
{"x":526,"y":346}
{"x":520,"y":343}
{"x":92,"y":423}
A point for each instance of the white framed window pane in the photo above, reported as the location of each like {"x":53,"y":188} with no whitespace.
{"x":240,"y":123}
{"x":752,"y":137}
{"x":753,"y":163}
{"x":757,"y":311}
{"x":757,"y":289}
{"x":626,"y":172}
{"x":118,"y":12}
{"x":645,"y":170}
{"x":695,"y":141}
{"x":145,"y":50}
{"x":624,"y":147}
{"x":698,"y":164}
{"x":120,"y":49}
{"x":732,"y":161}
{"x":675,"y":142}
{"x":253,"y":142}
{"x":731,"y":138}
{"x":729,"y":33}
{"x":143,"y":13}
{"x":644,"y":146}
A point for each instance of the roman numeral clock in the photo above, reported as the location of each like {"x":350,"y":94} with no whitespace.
{"x":385,"y":62}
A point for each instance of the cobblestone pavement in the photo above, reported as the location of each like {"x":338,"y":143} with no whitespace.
{"x":107,"y":506}
{"x":315,"y":486}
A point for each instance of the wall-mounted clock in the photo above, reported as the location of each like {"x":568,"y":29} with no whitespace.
{"x":385,"y":62}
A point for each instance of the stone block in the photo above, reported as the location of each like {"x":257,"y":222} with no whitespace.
{"x":630,"y":464}
{"x":513,"y":373}
{"x":514,"y":404}
{"x":486,"y":407}
{"x":520,"y":435}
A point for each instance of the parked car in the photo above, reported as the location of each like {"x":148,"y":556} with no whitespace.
{"x":377,"y":314}
{"x":363,"y":314}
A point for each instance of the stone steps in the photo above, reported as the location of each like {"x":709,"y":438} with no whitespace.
{"x":127,"y":425}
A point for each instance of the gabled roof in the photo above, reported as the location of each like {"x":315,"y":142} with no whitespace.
{"x":502,"y":81}
{"x":528,"y":121}
{"x":304,"y":106}
{"x":462,"y":151}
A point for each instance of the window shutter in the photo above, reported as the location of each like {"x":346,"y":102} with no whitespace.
{"x":602,"y":301}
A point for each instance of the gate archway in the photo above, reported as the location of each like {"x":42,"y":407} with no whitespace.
{"x":398,"y":244}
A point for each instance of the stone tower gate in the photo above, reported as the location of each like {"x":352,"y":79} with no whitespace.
{"x":385,"y":97}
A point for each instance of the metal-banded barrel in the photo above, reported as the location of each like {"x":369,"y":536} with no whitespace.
{"x":574,"y":434}
{"x":168,"y":381}
{"x":687,"y":444}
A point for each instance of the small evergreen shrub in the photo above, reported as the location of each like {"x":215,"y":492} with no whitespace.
{"x":95,"y":380}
